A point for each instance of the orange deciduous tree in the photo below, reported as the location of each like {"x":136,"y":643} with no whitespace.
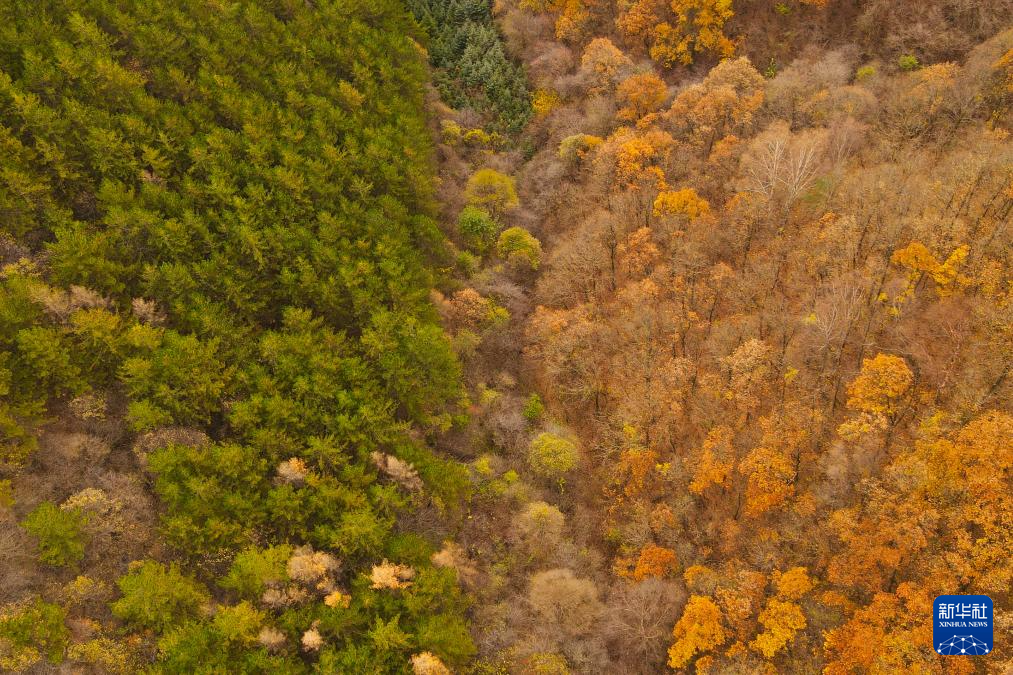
{"x":772,"y":468}
{"x":653,"y":561}
{"x":884,"y":636}
{"x":640,"y":95}
{"x":638,"y":159}
{"x":603,"y":63}
{"x":724,"y":103}
{"x":713,"y":464}
{"x":637,"y":21}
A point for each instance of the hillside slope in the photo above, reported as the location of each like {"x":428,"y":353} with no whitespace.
{"x":767,"y":320}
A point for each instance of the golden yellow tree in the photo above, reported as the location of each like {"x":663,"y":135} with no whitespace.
{"x":699,"y":629}
{"x":749,"y":369}
{"x":770,"y":480}
{"x":637,"y":21}
{"x":493,"y":191}
{"x":793,"y":583}
{"x":968,"y":474}
{"x":920,"y":262}
{"x":871,"y":553}
{"x":876,"y":394}
{"x":685,"y":202}
{"x":781,"y":620}
{"x":699,"y":28}
{"x":637,"y":159}
{"x":572,"y":21}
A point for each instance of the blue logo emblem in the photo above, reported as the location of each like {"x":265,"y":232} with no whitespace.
{"x":962,"y":625}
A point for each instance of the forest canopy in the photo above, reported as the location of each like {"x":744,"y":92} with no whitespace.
{"x":503,"y":337}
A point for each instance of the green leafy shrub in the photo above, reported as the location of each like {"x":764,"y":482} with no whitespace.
{"x":908,"y":62}
{"x":552,"y":456}
{"x":520,"y":248}
{"x":239,"y":624}
{"x":158,"y":597}
{"x":214,"y":495}
{"x":60,"y":533}
{"x":181,"y":381}
{"x":32,"y":631}
{"x":46,"y":354}
{"x":493,"y":191}
{"x":477,"y":228}
{"x":254,"y":568}
{"x":415,"y":361}
{"x":533,"y":408}
{"x":865,"y":72}
{"x":225,"y":645}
